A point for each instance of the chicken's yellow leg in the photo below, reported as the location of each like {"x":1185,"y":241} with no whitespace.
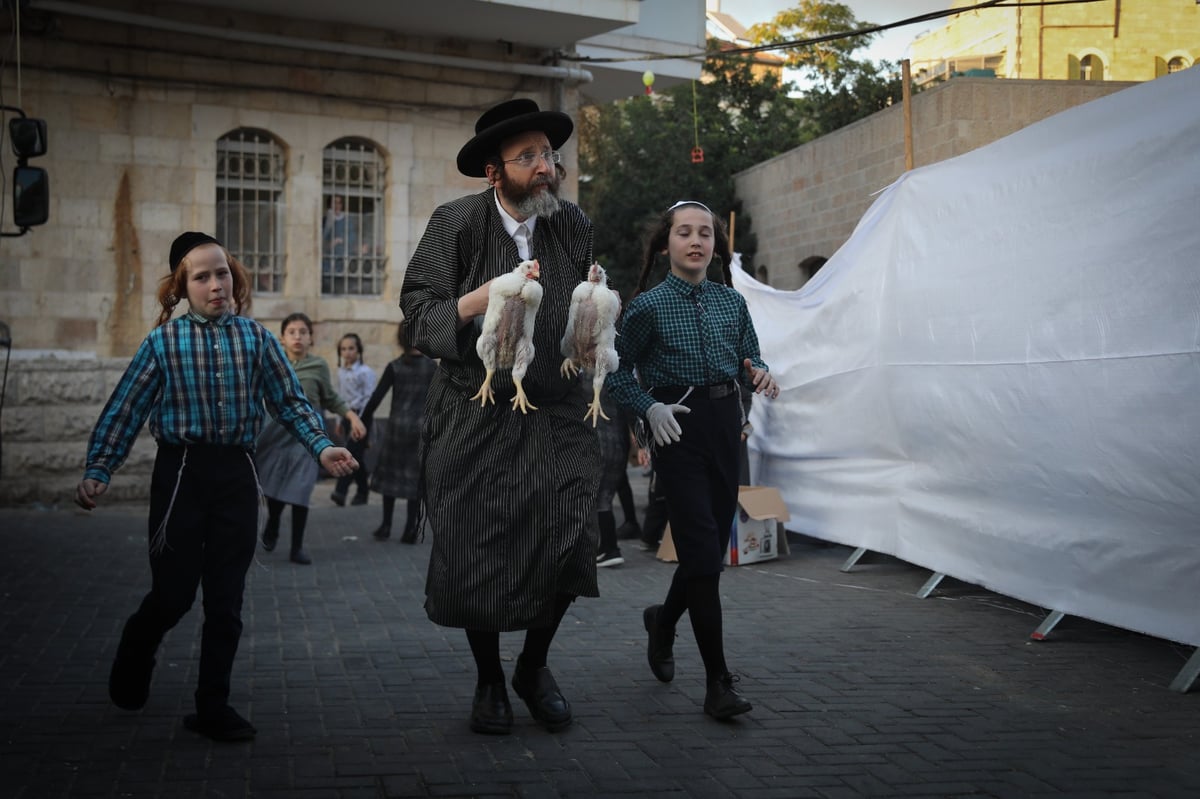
{"x":594,"y":411}
{"x":485,"y":395}
{"x":520,"y":400}
{"x":568,"y":368}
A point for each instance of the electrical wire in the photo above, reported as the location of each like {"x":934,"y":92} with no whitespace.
{"x":829,"y":37}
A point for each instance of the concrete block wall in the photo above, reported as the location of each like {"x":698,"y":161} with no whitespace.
{"x":51,"y":403}
{"x":807,"y":201}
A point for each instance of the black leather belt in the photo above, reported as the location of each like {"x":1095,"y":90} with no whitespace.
{"x":709,"y":392}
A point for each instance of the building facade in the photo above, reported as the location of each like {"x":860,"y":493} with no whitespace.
{"x":314,"y":139}
{"x":1122,"y":40}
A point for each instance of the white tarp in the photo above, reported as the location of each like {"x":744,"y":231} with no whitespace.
{"x":998,"y":376}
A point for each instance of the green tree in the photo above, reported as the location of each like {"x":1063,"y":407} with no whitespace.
{"x":636,"y":157}
{"x":868,"y":88}
{"x":831,"y":61}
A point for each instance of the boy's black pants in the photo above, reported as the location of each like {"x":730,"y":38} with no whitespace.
{"x":210,"y":541}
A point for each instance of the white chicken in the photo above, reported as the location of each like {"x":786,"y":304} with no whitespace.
{"x":590,"y":338}
{"x":506,"y":341}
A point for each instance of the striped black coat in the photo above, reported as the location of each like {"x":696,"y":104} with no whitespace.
{"x":509,"y":495}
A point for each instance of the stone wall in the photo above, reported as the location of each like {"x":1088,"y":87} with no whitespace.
{"x":807,"y":201}
{"x":51,"y":403}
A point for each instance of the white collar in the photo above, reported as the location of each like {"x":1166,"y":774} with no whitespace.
{"x":511,"y":224}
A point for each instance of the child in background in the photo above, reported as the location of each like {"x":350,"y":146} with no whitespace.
{"x":287,"y":477}
{"x":398,"y":471}
{"x":692,"y":343}
{"x":202,"y":380}
{"x":356,"y":381}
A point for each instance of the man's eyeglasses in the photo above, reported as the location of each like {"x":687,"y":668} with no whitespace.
{"x":526,"y":160}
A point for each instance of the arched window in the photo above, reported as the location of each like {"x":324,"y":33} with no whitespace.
{"x":1091,"y":68}
{"x":353,"y":256}
{"x":1176,"y":64}
{"x":250,"y":176}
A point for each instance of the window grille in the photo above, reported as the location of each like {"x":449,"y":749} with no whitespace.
{"x":1091,"y":68}
{"x":353,"y":251}
{"x":250,"y":176}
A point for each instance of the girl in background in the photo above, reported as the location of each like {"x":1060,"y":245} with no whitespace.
{"x":398,"y":471}
{"x":692,"y":343}
{"x":356,"y":381}
{"x":286,"y":474}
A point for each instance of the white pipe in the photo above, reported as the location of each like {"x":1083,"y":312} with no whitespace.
{"x":575,"y":74}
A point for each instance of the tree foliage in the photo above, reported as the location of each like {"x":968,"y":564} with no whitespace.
{"x":636,"y":156}
{"x":832,"y":61}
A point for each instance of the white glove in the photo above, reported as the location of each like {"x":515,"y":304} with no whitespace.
{"x":663,"y":424}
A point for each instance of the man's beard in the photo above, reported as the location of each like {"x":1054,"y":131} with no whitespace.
{"x":527,"y":200}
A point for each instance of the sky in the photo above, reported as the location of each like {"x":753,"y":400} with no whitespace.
{"x":890,"y":45}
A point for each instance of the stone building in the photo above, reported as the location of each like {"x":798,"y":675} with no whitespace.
{"x":314,"y":139}
{"x":1122,"y":40}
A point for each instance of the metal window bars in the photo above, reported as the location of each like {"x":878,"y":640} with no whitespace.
{"x":250,"y":181}
{"x":353,"y":253}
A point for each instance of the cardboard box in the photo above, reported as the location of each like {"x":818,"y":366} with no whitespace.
{"x":757,"y":533}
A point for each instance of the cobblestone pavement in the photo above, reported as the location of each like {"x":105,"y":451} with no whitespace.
{"x":859,"y":687}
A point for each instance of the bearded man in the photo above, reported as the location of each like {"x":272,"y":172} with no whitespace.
{"x":509,"y":495}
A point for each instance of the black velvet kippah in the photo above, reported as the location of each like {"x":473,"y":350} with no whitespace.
{"x":185,"y":243}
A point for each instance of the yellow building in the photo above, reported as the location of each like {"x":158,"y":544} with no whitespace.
{"x":1124,"y":40}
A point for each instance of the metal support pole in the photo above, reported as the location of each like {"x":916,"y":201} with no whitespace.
{"x":853,"y":559}
{"x":1187,"y":675}
{"x":930,"y":584}
{"x":1047,"y":625}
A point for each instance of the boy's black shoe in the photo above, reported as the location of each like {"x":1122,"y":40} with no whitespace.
{"x":301,"y":557}
{"x":722,"y":701}
{"x":129,"y":681}
{"x":383,"y":532}
{"x":359,"y":499}
{"x":491,"y":713}
{"x":541,"y":695}
{"x":223,"y":724}
{"x":338,"y":499}
{"x":606,"y":559}
{"x":660,"y":644}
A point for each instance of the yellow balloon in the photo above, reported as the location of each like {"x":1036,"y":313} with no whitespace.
{"x":648,"y":78}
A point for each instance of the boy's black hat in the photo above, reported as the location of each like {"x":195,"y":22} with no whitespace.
{"x":506,"y":120}
{"x":186,"y":242}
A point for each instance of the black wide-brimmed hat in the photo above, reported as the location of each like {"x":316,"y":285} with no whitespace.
{"x":507,"y":120}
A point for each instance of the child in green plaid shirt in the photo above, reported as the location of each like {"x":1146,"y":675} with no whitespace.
{"x":685,"y":346}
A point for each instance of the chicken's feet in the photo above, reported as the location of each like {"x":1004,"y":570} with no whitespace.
{"x":594,"y":411}
{"x":520,"y":401}
{"x":569,"y":368}
{"x":485,"y":393}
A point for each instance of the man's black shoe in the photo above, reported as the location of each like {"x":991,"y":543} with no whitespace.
{"x":491,"y":713}
{"x":223,"y":724}
{"x":541,"y":695}
{"x":659,"y":645}
{"x":129,"y":681}
{"x":722,"y":701}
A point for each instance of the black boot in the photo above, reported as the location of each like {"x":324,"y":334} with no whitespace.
{"x":270,"y":536}
{"x":410,"y":534}
{"x":298,"y":553}
{"x":383,"y":532}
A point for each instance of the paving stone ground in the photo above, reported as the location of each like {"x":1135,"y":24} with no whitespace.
{"x":859,"y":687}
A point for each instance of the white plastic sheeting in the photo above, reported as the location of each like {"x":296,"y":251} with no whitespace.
{"x":998,"y":376}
